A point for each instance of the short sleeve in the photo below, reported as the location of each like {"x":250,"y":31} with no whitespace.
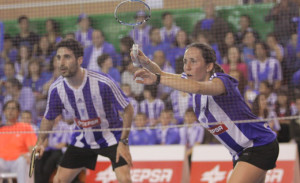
{"x":54,"y":105}
{"x":230,"y":84}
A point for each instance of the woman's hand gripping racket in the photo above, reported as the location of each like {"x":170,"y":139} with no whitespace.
{"x":33,"y":157}
{"x":123,"y":14}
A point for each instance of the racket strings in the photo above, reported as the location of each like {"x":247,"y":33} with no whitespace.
{"x":132,"y":12}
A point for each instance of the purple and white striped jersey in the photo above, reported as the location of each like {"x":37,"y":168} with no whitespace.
{"x":152,"y":109}
{"x":269,"y":70}
{"x":231,"y":107}
{"x":94,"y":105}
{"x":180,"y":103}
{"x":191,"y":135}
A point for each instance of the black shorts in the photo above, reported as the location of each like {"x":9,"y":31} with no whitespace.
{"x":263,"y":157}
{"x":76,"y":157}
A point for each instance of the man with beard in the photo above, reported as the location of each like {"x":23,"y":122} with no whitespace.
{"x":94,"y":101}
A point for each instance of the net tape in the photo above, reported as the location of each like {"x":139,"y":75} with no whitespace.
{"x":150,"y":127}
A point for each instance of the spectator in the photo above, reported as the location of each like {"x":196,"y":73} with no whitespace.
{"x":296,"y":79}
{"x":9,"y":53}
{"x":85,"y":31}
{"x":217,"y":26}
{"x":169,"y":31}
{"x":127,"y":77}
{"x":295,"y":125}
{"x":159,"y":58}
{"x":36,"y":80}
{"x":245,"y":26}
{"x":229,"y":41}
{"x":127,"y":91}
{"x":55,"y":147}
{"x":206,"y":37}
{"x":23,"y":60}
{"x":267,"y":89}
{"x":248,"y":47}
{"x":10,"y":72}
{"x":26,"y":117}
{"x":99,"y":47}
{"x":24,"y":95}
{"x":151,"y":106}
{"x":26,"y":37}
{"x":45,"y":51}
{"x":15,"y":148}
{"x":291,"y":61}
{"x":192,"y":134}
{"x":235,"y":66}
{"x":155,"y":43}
{"x":181,"y":101}
{"x":166,"y":134}
{"x":140,"y":34}
{"x":282,"y":14}
{"x":276,"y":50}
{"x":106,"y":66}
{"x":52,"y":32}
{"x":125,"y":46}
{"x":178,"y":48}
{"x":283,"y":109}
{"x":260,"y":109}
{"x":264,"y":68}
{"x":143,"y":136}
{"x":70,"y":35}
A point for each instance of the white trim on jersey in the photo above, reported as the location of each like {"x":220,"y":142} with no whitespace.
{"x":107,"y":135}
{"x":113,"y":86}
{"x":233,"y":130}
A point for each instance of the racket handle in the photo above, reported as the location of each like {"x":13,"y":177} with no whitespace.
{"x":36,"y":155}
{"x":135,"y":51}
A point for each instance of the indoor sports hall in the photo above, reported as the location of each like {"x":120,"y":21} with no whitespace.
{"x":149,"y":91}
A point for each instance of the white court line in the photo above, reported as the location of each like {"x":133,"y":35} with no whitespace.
{"x":47,"y":4}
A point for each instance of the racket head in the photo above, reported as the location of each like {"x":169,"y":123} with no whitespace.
{"x":128,"y":11}
{"x":32,"y":162}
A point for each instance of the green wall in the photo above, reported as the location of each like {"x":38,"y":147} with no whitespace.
{"x":185,"y":18}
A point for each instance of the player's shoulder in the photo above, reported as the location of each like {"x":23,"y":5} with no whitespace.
{"x":56,"y":83}
{"x":223,"y":77}
{"x":100,"y":77}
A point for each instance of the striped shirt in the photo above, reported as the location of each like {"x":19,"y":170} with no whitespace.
{"x":152,"y":109}
{"x":94,"y":105}
{"x":180,"y":103}
{"x":269,"y":70}
{"x":191,"y":135}
{"x":227,"y":108}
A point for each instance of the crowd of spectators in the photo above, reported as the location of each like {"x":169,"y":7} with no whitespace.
{"x":268,"y":71}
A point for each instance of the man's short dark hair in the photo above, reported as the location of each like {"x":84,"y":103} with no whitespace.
{"x":22,"y":17}
{"x":73,"y":45}
{"x":12,"y":101}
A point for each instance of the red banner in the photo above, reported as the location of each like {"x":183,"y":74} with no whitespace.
{"x":160,"y":172}
{"x":218,"y":172}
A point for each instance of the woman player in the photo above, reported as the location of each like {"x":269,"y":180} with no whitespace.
{"x":216,"y":98}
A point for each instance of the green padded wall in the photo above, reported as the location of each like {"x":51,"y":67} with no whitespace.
{"x":185,"y":18}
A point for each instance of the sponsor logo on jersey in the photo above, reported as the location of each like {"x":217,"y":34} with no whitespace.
{"x":88,"y":123}
{"x":218,"y":129}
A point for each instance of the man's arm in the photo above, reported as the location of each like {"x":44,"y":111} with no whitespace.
{"x":127,"y":120}
{"x":46,"y":125}
{"x":123,"y":149}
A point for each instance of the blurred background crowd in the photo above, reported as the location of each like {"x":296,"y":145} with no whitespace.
{"x":268,"y":71}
